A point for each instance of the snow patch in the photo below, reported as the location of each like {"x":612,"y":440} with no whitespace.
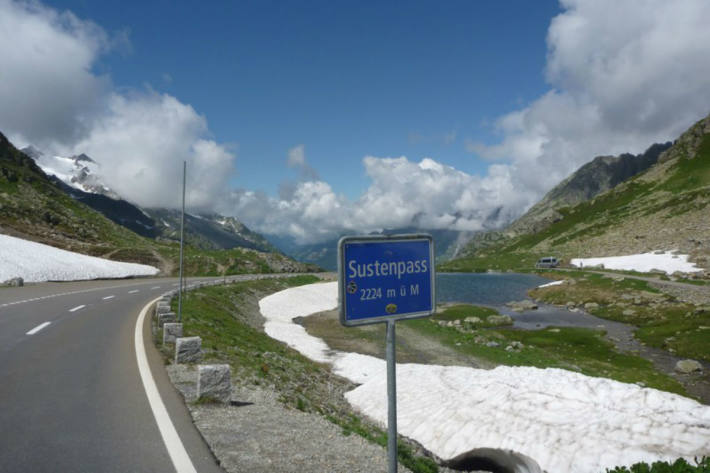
{"x":553,"y":283}
{"x":668,"y":262}
{"x":35,"y":262}
{"x":565,"y":421}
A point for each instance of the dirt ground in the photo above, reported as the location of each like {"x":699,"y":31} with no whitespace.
{"x":411,"y":346}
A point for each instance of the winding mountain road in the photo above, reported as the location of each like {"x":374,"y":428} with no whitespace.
{"x":71,"y":395}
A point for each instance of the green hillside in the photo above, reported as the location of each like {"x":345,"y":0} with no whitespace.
{"x":663,"y":208}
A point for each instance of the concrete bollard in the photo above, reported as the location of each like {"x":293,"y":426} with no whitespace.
{"x":171,"y":331}
{"x":214,"y":382}
{"x":166,"y":317}
{"x":188,"y":349}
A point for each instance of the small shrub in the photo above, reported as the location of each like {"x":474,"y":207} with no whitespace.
{"x":679,"y":466}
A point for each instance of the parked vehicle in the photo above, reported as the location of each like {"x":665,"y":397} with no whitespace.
{"x":547,"y":262}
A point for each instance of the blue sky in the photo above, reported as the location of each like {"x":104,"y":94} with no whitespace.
{"x":313,"y":119}
{"x":345,"y":79}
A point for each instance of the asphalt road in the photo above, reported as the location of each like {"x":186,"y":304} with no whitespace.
{"x":71,"y":397}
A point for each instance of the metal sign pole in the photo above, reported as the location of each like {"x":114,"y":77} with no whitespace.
{"x":391,"y":400}
{"x":385,"y":279}
{"x":182,"y":238}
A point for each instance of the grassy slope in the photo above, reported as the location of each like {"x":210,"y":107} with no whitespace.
{"x":576,"y":349}
{"x":663,"y":321}
{"x":220,"y":316}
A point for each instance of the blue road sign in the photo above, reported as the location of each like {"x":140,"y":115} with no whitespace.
{"x":385,"y":278}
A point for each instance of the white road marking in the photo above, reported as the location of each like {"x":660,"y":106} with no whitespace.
{"x":79,"y":307}
{"x":107,"y":298}
{"x":38,"y":328}
{"x":176,"y":450}
{"x":133,"y":291}
{"x":154,"y":287}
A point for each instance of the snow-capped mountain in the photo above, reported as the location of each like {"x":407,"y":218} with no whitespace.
{"x":79,"y":171}
{"x":80,"y":177}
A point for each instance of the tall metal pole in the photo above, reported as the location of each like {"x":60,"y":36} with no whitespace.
{"x":182,"y":239}
{"x":391,"y":400}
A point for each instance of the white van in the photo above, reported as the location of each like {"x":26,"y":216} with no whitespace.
{"x":547,"y":262}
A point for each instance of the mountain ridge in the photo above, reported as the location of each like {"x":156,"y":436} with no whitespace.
{"x":36,"y":207}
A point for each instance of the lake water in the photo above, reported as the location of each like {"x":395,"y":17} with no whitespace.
{"x":492,"y":289}
{"x":495,"y":289}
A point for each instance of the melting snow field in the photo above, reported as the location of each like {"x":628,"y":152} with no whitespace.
{"x":565,"y":421}
{"x":35,"y":262}
{"x":643,"y":263}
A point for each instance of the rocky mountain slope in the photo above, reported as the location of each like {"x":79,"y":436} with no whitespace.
{"x":663,"y":208}
{"x":80,"y":177}
{"x":599,"y":175}
{"x":206,"y":231}
{"x":31,"y":205}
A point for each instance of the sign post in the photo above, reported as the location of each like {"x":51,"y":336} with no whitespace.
{"x":385,"y":279}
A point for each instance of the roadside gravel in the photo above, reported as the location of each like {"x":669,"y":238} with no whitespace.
{"x":258,"y":434}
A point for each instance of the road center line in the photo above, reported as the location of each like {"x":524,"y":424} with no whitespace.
{"x":38,"y":328}
{"x":133,"y":291}
{"x":77,"y":308}
{"x":176,"y":450}
{"x":155,"y":287}
{"x":107,"y":298}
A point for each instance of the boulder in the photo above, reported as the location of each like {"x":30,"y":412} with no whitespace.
{"x":188,"y":349}
{"x":14,"y":282}
{"x":472,"y":320}
{"x":629,"y":312}
{"x":499,"y":320}
{"x":688,"y":366}
{"x":514,"y":346}
{"x":214,"y":383}
{"x":591,"y":306}
{"x":171,"y":332}
{"x":520,"y":306}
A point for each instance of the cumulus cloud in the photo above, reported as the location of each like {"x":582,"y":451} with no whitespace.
{"x":51,"y":98}
{"x":48,"y":93}
{"x":142,"y":140}
{"x":623,"y":75}
{"x":402,"y":193}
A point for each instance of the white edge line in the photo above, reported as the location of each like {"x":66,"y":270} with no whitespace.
{"x":176,"y":450}
{"x":107,"y":298}
{"x":77,"y":308}
{"x":38,"y":328}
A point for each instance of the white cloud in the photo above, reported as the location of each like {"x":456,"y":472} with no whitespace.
{"x":51,"y":98}
{"x":402,"y":193}
{"x":142,"y":140}
{"x":297,"y":156}
{"x":48,"y":93}
{"x":624,"y":74}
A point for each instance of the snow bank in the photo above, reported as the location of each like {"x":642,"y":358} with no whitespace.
{"x":565,"y":421}
{"x":35,"y":262}
{"x":642,"y":263}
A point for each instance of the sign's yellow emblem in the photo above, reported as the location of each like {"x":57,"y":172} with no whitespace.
{"x":391,"y":308}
